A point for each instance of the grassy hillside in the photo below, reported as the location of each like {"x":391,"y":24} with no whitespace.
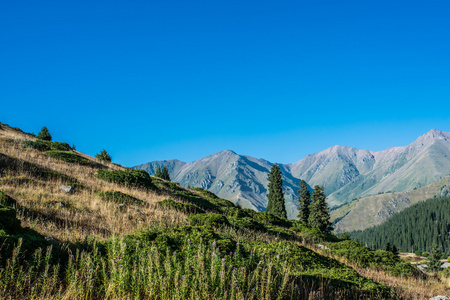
{"x":120,"y":234}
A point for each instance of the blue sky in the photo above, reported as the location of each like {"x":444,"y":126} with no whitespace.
{"x":153,"y":80}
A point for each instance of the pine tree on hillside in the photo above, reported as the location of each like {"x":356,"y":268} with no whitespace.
{"x":44,"y":134}
{"x":395,"y":250}
{"x":103,"y":156}
{"x":275,"y":204}
{"x":304,"y":200}
{"x":165,"y":173}
{"x":388,"y":247}
{"x":434,"y":263}
{"x":158,"y":172}
{"x":319,"y":216}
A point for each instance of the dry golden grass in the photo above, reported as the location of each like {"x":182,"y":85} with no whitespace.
{"x":80,"y":214}
{"x":84,"y":213}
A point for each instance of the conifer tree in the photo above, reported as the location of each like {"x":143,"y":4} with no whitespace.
{"x":44,"y":134}
{"x":103,"y":156}
{"x":275,"y":204}
{"x":434,"y":263}
{"x":158,"y":172}
{"x":304,"y":200}
{"x":395,"y":250}
{"x":388,"y":247}
{"x":165,"y":173}
{"x":318,"y":210}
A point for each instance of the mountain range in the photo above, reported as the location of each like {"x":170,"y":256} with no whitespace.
{"x":346,"y":173}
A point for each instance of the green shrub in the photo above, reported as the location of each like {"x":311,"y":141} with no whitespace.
{"x":380,"y":259}
{"x":214,"y":220}
{"x":233,"y":212}
{"x":268,"y":218}
{"x":69,"y":157}
{"x":248,"y":223}
{"x":11,"y":232}
{"x":119,"y":197}
{"x":42,"y":145}
{"x":6,"y":200}
{"x":205,"y":193}
{"x":418,"y":253}
{"x":61,"y":146}
{"x":180,"y":206}
{"x":195,"y":199}
{"x":103,"y":156}
{"x":128,"y":177}
{"x":8,"y":220}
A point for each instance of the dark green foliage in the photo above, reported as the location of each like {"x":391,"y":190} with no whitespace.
{"x":206,"y":201}
{"x":417,"y":227}
{"x":119,"y":197}
{"x":180,"y":239}
{"x":8,"y":220}
{"x":162,"y":173}
{"x":70,"y":157}
{"x":418,"y":253}
{"x":166,"y":185}
{"x":364,"y":257}
{"x":275,"y":204}
{"x":158,"y":172}
{"x":233,"y":212}
{"x":306,"y":262}
{"x":319,"y":216}
{"x":44,"y":134}
{"x":248,"y":223}
{"x":434,"y":263}
{"x":165,"y":173}
{"x":103,"y":156}
{"x":209,"y":219}
{"x":6,"y":200}
{"x":61,"y":146}
{"x":187,"y":208}
{"x":388,"y":247}
{"x":395,"y":250}
{"x":11,"y":231}
{"x":267,"y":218}
{"x":304,"y":200}
{"x":42,"y":145}
{"x":206,"y":193}
{"x":128,"y":177}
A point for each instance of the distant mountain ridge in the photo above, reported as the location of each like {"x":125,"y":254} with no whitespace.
{"x":345,"y":172}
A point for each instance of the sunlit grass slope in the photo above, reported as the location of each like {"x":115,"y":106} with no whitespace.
{"x":122,"y":234}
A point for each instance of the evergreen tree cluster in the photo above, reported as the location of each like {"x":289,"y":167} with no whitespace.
{"x":162,"y":173}
{"x":313,"y":210}
{"x":417,"y":228}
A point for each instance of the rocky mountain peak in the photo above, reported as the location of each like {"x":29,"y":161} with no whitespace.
{"x":431,"y":136}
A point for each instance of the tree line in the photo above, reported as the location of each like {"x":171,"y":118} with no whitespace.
{"x":312,"y":209}
{"x":417,"y":228}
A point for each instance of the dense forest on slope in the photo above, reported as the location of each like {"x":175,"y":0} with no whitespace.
{"x":416,"y":228}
